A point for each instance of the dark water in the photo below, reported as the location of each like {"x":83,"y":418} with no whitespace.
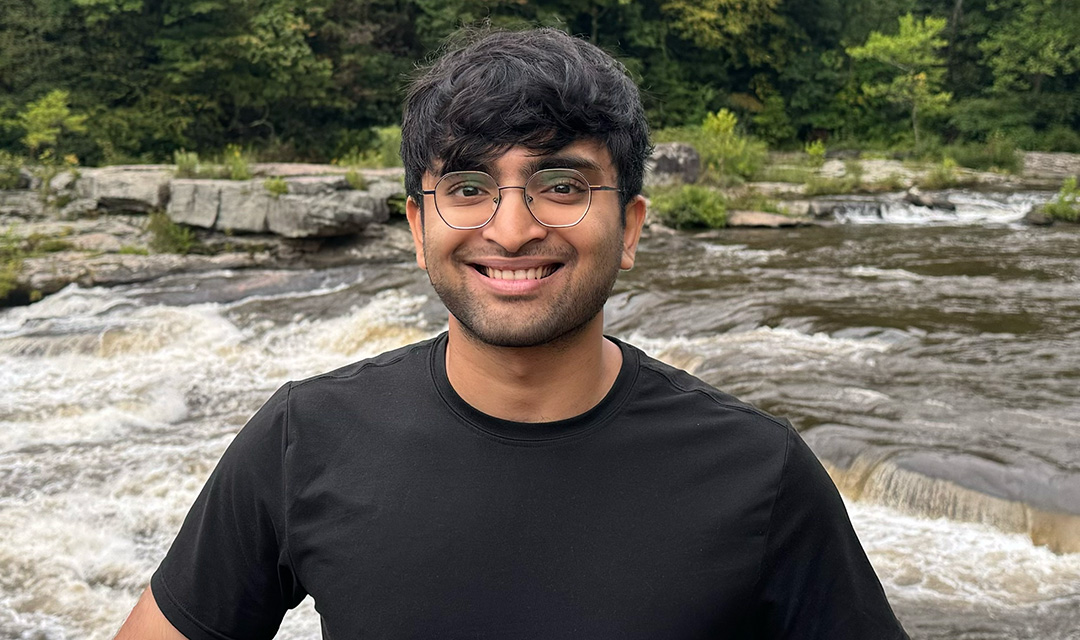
{"x":933,"y":368}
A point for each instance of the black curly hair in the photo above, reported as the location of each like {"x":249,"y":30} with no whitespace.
{"x":541,"y":89}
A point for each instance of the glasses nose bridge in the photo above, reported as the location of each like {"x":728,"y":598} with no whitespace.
{"x":524,"y":197}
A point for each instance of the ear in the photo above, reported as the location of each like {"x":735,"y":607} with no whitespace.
{"x":416,"y":225}
{"x":635,"y":220}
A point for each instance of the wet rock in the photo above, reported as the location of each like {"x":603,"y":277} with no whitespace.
{"x":673,"y":163}
{"x":1037,"y":217}
{"x":918,"y":198}
{"x":126,"y":188}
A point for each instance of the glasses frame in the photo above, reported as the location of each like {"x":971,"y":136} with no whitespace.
{"x":498,"y":201}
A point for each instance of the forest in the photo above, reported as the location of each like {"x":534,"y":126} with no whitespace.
{"x":95,"y":82}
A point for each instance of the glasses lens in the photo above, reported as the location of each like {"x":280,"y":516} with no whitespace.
{"x":558,"y":197}
{"x":466,"y":199}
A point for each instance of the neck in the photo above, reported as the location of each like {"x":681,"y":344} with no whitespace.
{"x":544,"y":383}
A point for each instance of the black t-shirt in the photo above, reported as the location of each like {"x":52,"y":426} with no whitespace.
{"x":669,"y":510}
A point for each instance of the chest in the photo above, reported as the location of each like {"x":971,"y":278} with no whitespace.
{"x":495,"y":542}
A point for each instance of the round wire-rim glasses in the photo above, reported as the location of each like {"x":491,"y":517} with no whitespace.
{"x":556,"y":198}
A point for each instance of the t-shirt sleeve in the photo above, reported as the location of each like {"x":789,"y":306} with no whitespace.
{"x":228,"y":574}
{"x":816,"y":579}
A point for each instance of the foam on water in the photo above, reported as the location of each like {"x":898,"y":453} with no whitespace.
{"x":970,"y":208}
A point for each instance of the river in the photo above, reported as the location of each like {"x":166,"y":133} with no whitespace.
{"x":930,"y":358}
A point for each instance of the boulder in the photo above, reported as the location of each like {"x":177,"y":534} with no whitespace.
{"x":336,"y":214}
{"x":126,"y":188}
{"x":78,"y":208}
{"x":1036,"y":217}
{"x":21,"y":204}
{"x":244,"y":206}
{"x":1054,"y":165}
{"x":195,"y":202}
{"x":673,"y":163}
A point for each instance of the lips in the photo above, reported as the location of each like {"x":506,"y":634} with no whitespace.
{"x":532,"y":273}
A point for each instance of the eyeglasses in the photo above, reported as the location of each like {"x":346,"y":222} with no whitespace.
{"x":556,"y":198}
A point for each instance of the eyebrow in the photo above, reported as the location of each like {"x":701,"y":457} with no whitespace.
{"x":561,"y":161}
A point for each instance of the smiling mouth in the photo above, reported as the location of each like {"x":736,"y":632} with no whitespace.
{"x":536,"y":273}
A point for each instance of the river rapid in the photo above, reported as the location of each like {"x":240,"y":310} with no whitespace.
{"x":930,"y":358}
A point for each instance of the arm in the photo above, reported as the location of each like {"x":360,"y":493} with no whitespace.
{"x":146,"y":622}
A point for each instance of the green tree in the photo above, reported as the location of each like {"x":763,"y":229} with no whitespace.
{"x":915,"y":61}
{"x":1039,"y":41}
{"x":44,"y":121}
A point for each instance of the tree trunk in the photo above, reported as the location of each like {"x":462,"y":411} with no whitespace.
{"x":950,"y":71}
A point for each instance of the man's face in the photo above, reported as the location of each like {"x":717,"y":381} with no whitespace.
{"x":515,"y":282}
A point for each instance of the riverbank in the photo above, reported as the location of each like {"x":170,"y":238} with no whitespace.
{"x":124,"y":224}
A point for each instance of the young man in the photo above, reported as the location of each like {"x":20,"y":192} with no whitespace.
{"x":522,"y":475}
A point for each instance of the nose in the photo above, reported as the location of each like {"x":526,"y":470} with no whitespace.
{"x":513,"y":225}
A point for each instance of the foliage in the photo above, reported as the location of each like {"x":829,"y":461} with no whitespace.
{"x":385,"y":151}
{"x":129,"y":250}
{"x":1066,"y":206}
{"x":167,"y":236}
{"x":727,"y":155}
{"x":942,"y":176}
{"x":847,"y":183}
{"x":187,"y":163}
{"x":276,"y":186}
{"x":11,"y":261}
{"x":754,"y":201}
{"x":688,"y":206}
{"x":917,"y":75}
{"x":236,"y":163}
{"x":322,"y":79}
{"x":815,"y":150}
{"x":44,"y":121}
{"x":10,"y":170}
{"x":997,"y":154}
{"x":355,"y":179}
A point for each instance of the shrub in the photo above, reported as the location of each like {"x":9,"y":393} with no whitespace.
{"x":10,"y":170}
{"x":816,"y":151}
{"x":168,"y":237}
{"x":384,"y":152}
{"x":688,"y":206}
{"x":276,"y":186}
{"x":1066,"y":206}
{"x":356,"y":180}
{"x":942,"y":176}
{"x":187,"y":163}
{"x":997,"y":154}
{"x":726,"y":153}
{"x":236,"y":163}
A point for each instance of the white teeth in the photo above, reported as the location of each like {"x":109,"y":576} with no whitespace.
{"x":534,"y":273}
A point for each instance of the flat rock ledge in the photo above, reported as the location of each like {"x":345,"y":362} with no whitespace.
{"x":766,"y":220}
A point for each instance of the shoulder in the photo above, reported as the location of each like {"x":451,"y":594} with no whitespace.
{"x":661,"y":382}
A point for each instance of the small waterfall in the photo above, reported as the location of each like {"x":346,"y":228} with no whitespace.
{"x":882,"y":481}
{"x":948,"y":208}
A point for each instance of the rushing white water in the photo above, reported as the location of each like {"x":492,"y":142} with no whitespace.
{"x":117,"y":403}
{"x":967,"y":208}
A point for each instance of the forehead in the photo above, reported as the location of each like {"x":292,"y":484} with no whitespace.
{"x":590,"y":157}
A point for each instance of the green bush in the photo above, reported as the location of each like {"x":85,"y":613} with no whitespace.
{"x":943,"y":176}
{"x":816,"y":152}
{"x":1066,"y":206}
{"x":168,"y":237}
{"x":187,"y":163}
{"x":997,"y":154}
{"x":688,"y":206}
{"x":356,"y":180}
{"x":276,"y":186}
{"x":10,"y":165}
{"x":726,"y":155}
{"x":236,"y":163}
{"x":383,"y":153}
